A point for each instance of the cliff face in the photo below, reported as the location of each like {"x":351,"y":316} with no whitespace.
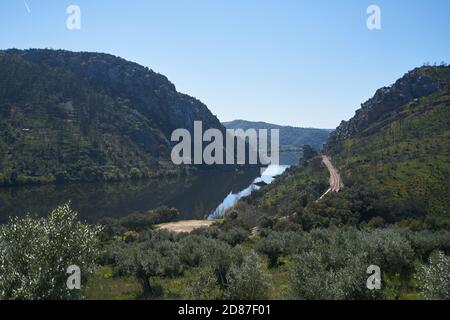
{"x":413,"y":85}
{"x":68,"y":116}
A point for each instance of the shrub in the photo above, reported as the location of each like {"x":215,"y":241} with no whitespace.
{"x":248,"y":281}
{"x":204,"y":286}
{"x":313,"y":278}
{"x":274,"y":245}
{"x":191,"y":250}
{"x":150,"y":258}
{"x":220,"y":256}
{"x":234,"y":236}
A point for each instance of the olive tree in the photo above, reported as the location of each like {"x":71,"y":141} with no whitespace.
{"x":275,"y":245}
{"x":205,"y":286}
{"x":249,"y":281}
{"x":219,"y":256}
{"x":36,"y":252}
{"x":151,"y":258}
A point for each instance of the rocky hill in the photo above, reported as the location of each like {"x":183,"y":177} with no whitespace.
{"x":410,"y":88}
{"x":68,"y":116}
{"x":394,"y":158}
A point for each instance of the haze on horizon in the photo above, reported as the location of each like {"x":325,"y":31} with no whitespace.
{"x":300,"y":63}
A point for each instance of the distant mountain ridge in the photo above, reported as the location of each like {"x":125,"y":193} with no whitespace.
{"x":68,"y":116}
{"x":290,"y":137}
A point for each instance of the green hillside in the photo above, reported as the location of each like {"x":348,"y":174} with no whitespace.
{"x":405,"y":152}
{"x":394,"y":158}
{"x":68,"y":117}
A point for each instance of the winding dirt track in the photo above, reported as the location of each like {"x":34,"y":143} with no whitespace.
{"x":335,"y":179}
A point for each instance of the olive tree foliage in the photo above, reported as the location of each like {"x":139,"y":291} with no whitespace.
{"x":36,"y":252}
{"x":332,"y":263}
{"x":312,"y":277}
{"x":433,"y":279}
{"x":249,"y":281}
{"x":219,"y":257}
{"x":205,"y":286}
{"x":426,"y":241}
{"x":234,"y":236}
{"x":277,"y":244}
{"x":154,"y":256}
{"x":245,"y":277}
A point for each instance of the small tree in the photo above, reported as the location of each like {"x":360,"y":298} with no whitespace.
{"x":219,"y":256}
{"x":234,"y":236}
{"x":204,"y":286}
{"x":248,"y":281}
{"x":149,"y":259}
{"x":36,"y":252}
{"x":274,"y":246}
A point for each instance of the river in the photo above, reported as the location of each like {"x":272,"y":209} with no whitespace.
{"x":196,"y":197}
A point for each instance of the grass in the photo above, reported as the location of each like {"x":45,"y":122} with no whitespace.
{"x":103,"y":286}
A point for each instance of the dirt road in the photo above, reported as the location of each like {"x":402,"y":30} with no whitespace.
{"x":185,"y":226}
{"x":335,"y":179}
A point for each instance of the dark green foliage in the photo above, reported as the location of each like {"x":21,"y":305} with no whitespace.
{"x":277,"y":244}
{"x":326,"y":263}
{"x":234,"y":236}
{"x":137,"y":221}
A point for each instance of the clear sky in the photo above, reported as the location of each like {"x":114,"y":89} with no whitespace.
{"x":303,"y":63}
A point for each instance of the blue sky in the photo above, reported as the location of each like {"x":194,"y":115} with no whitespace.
{"x":303,"y":63}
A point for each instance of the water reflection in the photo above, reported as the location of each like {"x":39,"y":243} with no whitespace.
{"x":195,"y":197}
{"x":266,"y":177}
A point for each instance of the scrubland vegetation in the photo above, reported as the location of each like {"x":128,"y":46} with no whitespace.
{"x":225,"y":261}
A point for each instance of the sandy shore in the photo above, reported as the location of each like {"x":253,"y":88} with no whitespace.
{"x":185,"y":226}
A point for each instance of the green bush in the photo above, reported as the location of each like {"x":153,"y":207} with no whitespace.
{"x":204,"y":286}
{"x":36,"y":252}
{"x":275,"y":245}
{"x":147,"y":259}
{"x":234,"y":236}
{"x":248,"y":281}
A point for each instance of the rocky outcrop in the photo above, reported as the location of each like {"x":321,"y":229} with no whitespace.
{"x":413,"y":85}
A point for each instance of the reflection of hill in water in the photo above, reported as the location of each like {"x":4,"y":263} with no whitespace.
{"x":195,"y":197}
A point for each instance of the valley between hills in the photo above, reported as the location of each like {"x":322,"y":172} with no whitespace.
{"x":374,"y":191}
